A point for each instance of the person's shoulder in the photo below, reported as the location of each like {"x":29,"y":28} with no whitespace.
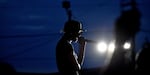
{"x":62,"y":41}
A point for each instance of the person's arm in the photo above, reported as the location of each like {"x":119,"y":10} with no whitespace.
{"x":74,"y":61}
{"x":81,"y":54}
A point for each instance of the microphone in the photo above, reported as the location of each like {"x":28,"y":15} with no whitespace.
{"x":90,"y":41}
{"x":87,"y":40}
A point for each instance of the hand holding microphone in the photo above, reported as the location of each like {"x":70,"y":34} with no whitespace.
{"x":80,"y":39}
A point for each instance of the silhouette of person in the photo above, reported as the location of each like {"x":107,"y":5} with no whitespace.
{"x":143,"y":59}
{"x":68,"y":61}
{"x":6,"y":69}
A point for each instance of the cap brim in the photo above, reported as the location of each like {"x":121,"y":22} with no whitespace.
{"x":83,"y":30}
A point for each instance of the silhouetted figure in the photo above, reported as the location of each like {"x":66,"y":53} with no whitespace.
{"x":126,"y":27}
{"x":6,"y":69}
{"x":68,"y":62}
{"x":143,"y":60}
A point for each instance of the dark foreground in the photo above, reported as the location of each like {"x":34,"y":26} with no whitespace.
{"x":93,"y":71}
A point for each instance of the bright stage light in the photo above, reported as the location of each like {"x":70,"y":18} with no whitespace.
{"x":111,"y":47}
{"x":102,"y":47}
{"x":127,"y":45}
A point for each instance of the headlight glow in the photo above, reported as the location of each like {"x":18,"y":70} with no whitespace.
{"x":111,"y":47}
{"x":127,"y":45}
{"x":102,"y":47}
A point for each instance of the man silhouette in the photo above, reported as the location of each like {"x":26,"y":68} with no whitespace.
{"x":69,"y":62}
{"x":143,"y":60}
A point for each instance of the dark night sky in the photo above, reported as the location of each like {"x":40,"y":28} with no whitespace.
{"x":30,"y":30}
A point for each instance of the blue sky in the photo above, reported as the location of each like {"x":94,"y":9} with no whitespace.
{"x":30,"y":30}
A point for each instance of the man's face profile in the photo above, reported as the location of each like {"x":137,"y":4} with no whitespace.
{"x":76,"y":35}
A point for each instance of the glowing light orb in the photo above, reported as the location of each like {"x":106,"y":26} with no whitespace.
{"x":111,"y":47}
{"x":127,"y":45}
{"x":102,"y":47}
